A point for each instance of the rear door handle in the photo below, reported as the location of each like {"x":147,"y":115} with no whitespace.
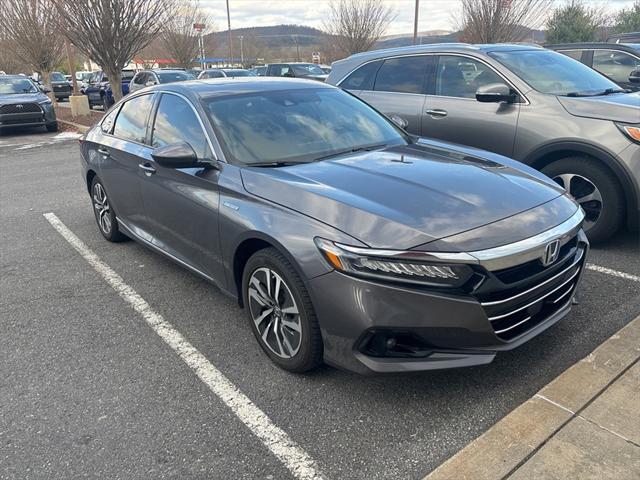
{"x":437,"y":113}
{"x":147,"y":169}
{"x":103,"y":151}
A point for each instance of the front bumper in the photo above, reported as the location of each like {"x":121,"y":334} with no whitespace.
{"x":448,"y":329}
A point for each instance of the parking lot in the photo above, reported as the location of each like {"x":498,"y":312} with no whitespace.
{"x":89,"y":389}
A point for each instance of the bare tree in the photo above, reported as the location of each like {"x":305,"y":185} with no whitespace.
{"x":111,"y":32}
{"x":356,"y":25}
{"x":179,"y":37}
{"x":493,"y":21}
{"x":29,"y":29}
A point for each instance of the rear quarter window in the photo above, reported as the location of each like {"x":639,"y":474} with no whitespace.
{"x":362,"y":77}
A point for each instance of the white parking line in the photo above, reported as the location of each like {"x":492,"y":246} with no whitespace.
{"x":299,"y":463}
{"x":615,"y":273}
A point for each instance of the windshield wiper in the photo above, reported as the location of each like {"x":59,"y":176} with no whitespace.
{"x":273,"y":164}
{"x":365,"y":148}
{"x":608,"y":91}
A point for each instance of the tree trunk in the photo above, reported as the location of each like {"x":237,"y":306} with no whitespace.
{"x":46,"y":81}
{"x":115,"y":80}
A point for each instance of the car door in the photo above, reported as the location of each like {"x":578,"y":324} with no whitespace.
{"x":399,"y":89}
{"x":120,"y":154}
{"x":452,"y":113}
{"x":182,"y":204}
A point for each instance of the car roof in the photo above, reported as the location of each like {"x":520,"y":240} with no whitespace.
{"x":239,"y":85}
{"x":624,"y":47}
{"x":160,"y":70}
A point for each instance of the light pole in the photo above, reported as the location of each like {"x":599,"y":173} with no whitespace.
{"x":242,"y":51}
{"x":229,"y":28}
{"x":415,"y":22}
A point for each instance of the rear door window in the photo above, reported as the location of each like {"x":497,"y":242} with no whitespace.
{"x":132,"y":120}
{"x":362,"y":78}
{"x":403,"y":74}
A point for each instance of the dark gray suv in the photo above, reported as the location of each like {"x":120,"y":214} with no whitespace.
{"x":345,"y":239}
{"x":537,"y":106}
{"x":24,"y":104}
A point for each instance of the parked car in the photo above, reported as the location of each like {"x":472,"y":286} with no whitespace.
{"x":296,"y":70}
{"x":535,"y":105}
{"x":633,"y":37}
{"x":147,"y":78}
{"x":99,"y":90}
{"x":60,"y":85}
{"x":325,"y":68}
{"x":619,"y":62}
{"x":82,"y":78}
{"x":345,"y":239}
{"x":259,"y":70}
{"x":225,"y":72}
{"x":23,"y":104}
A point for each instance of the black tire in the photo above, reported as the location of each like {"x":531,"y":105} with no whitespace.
{"x":309,"y":353}
{"x":112,"y":232}
{"x":52,"y":127}
{"x":612,"y":212}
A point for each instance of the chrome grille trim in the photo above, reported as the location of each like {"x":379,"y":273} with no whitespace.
{"x":498,"y":302}
{"x":539,"y":299}
{"x":513,"y":326}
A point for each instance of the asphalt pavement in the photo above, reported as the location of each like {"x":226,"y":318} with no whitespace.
{"x":88,"y":389}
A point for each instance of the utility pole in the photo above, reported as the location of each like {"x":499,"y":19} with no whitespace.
{"x":229,"y":28}
{"x":242,"y":51}
{"x":295,"y":39}
{"x":415,"y":22}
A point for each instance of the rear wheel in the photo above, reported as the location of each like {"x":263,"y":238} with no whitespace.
{"x":597,"y":191}
{"x":280,"y":312}
{"x":104,"y":213}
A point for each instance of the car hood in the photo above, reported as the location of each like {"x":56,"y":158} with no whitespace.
{"x":22,"y":98}
{"x":624,"y":107}
{"x":404,"y":196}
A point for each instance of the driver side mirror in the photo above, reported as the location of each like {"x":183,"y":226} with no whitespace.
{"x":399,"y":121}
{"x":45,"y":89}
{"x":495,"y":93}
{"x":634,"y":77}
{"x":178,"y":155}
{"x":288,"y":74}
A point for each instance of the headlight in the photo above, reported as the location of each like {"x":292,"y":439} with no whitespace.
{"x":45,"y":102}
{"x":631,"y":131}
{"x":406,"y":267}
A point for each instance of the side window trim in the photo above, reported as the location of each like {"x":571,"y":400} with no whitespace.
{"x":216,"y":152}
{"x":522,"y":99}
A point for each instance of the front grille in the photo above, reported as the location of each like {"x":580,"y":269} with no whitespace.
{"x":20,"y":121}
{"x":513,"y":310}
{"x":20,"y":108}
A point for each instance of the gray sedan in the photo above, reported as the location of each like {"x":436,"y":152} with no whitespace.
{"x":345,"y":239}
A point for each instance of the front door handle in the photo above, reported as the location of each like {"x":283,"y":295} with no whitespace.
{"x":437,"y":113}
{"x":147,"y":169}
{"x":103,"y":151}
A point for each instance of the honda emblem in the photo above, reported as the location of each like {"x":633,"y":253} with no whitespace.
{"x":551,"y":253}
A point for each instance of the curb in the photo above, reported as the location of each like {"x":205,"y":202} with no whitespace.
{"x":503,"y":448}
{"x":77,"y":126}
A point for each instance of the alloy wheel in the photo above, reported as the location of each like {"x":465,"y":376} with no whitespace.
{"x":585,"y":193}
{"x":101,"y":205}
{"x":274,"y":312}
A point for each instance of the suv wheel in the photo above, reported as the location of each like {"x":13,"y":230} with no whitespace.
{"x":280,"y":312}
{"x":597,"y":191}
{"x":105,"y":216}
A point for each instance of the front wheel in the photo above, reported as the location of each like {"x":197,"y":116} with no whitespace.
{"x":280,"y":312}
{"x":597,"y":191}
{"x":52,"y":127}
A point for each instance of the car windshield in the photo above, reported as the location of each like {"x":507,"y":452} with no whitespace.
{"x":127,"y":74}
{"x":307,"y":69}
{"x":239,"y":73}
{"x":58,"y":77}
{"x":168,"y":77}
{"x":555,"y":74}
{"x":10,"y":86}
{"x":296,"y":125}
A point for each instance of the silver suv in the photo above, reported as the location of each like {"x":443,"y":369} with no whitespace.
{"x":537,"y":106}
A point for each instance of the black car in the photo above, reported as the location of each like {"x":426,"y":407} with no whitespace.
{"x":60,"y":85}
{"x":24,"y":104}
{"x":620,"y":62}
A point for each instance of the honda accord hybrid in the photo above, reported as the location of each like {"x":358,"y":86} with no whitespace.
{"x":345,"y":239}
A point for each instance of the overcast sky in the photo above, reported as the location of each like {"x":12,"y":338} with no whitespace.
{"x":434,"y":14}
